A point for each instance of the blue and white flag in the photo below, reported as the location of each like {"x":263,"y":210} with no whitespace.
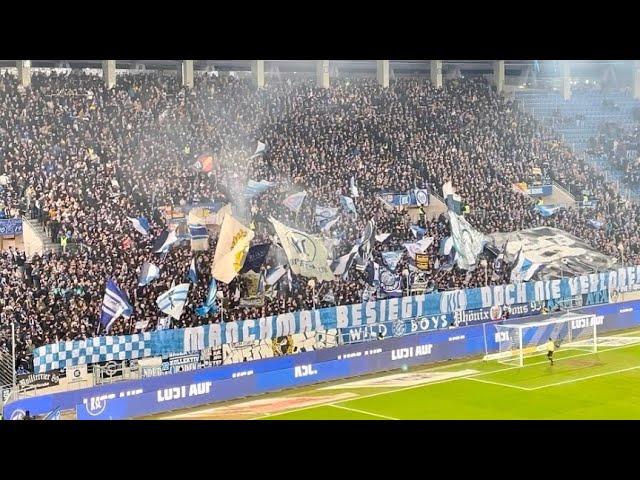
{"x":421,"y":196}
{"x":172,"y":301}
{"x":382,"y":237}
{"x":260,"y":149}
{"x":446,"y":244}
{"x":348,"y":205}
{"x":418,"y":247}
{"x":210,"y":302}
{"x":148,"y":273}
{"x":324,"y":215}
{"x":294,"y":202}
{"x":392,"y":259}
{"x":547,"y":210}
{"x":341,"y":265}
{"x":141,"y":224}
{"x":451,"y":198}
{"x":524,"y":269}
{"x":254,"y":189}
{"x":199,"y":236}
{"x":329,"y":223}
{"x":114,"y":304}
{"x":595,"y":223}
{"x":418,"y":232}
{"x":467,"y":241}
{"x":274,"y":274}
{"x":198,"y":231}
{"x":390,"y":283}
{"x":193,"y":272}
{"x":163,"y":243}
{"x":372,"y":274}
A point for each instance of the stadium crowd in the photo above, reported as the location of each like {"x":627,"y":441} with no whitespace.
{"x":621,"y":149}
{"x":81,"y":159}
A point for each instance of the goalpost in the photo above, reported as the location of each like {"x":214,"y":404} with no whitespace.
{"x":517,"y":341}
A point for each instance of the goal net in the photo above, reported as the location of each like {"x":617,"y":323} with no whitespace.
{"x":518,"y":341}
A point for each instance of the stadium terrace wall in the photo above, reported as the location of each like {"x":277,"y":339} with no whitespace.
{"x":101,"y":349}
{"x":181,"y":390}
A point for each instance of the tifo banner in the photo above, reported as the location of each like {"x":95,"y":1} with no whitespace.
{"x":10,"y":227}
{"x":99,"y":349}
{"x":562,"y":254}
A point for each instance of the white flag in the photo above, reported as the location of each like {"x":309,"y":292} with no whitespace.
{"x":173,"y":300}
{"x":231,"y":250}
{"x":306,"y":253}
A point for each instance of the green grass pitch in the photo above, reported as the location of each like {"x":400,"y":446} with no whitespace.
{"x":581,"y":385}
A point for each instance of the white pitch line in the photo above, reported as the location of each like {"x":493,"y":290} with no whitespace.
{"x":435,"y":383}
{"x":497,"y":383}
{"x":586,"y":378}
{"x":361,"y":411}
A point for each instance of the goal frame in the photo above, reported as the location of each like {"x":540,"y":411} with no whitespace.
{"x":516,"y":356}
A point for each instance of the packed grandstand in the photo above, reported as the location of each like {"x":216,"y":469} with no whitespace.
{"x":113,"y":175}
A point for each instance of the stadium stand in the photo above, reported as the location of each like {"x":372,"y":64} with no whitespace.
{"x":80,"y":159}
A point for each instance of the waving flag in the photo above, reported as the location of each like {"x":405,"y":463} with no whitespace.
{"x":348,"y":205}
{"x":341,"y":265}
{"x":372,"y":273}
{"x":418,"y":232}
{"x":391,"y":259}
{"x":524,"y":269}
{"x":451,"y":198}
{"x":148,"y":273}
{"x":294,"y":202}
{"x":204,"y":163}
{"x":382,"y":237}
{"x":306,"y":253}
{"x":418,"y":247}
{"x":256,"y":188}
{"x":467,"y":241}
{"x":231,"y":250}
{"x":595,"y":223}
{"x":114,"y":304}
{"x":367,"y":240}
{"x":274,"y":274}
{"x":210,"y":302}
{"x":210,"y":214}
{"x":446,"y":244}
{"x":193,"y":273}
{"x":256,"y":256}
{"x":164,"y":241}
{"x":260,"y":149}
{"x":547,"y":210}
{"x":324,"y":215}
{"x":141,"y":225}
{"x":172,"y":301}
{"x":199,"y":238}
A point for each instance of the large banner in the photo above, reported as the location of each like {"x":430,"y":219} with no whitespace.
{"x":562,"y":254}
{"x":98,"y":349}
{"x":293,"y":370}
